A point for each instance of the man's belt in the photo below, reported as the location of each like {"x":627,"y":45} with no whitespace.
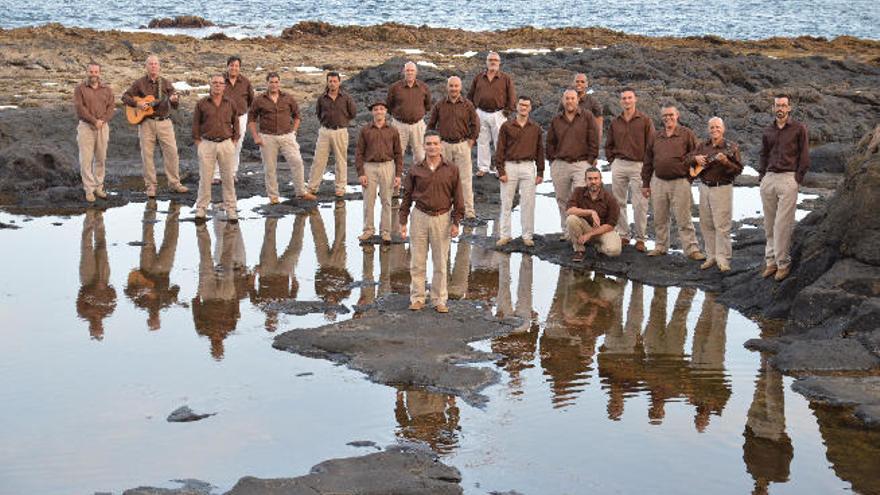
{"x":408,"y":123}
{"x":333,"y":128}
{"x":215,"y":140}
{"x":716,"y":184}
{"x":153,"y":117}
{"x":490,"y":111}
{"x":453,"y":141}
{"x":433,"y":213}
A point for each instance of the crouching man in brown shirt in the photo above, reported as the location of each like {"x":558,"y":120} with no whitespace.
{"x":721,"y":164}
{"x":379,"y":164}
{"x":592,"y":216}
{"x":93,"y":101}
{"x":214,"y":131}
{"x":434,"y":188}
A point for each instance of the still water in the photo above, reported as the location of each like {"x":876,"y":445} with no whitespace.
{"x":111,"y":320}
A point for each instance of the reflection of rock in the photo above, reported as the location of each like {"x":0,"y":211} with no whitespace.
{"x":851,"y":450}
{"x":428,"y":417}
{"x":181,"y":21}
{"x":184,"y":414}
{"x":399,"y":347}
{"x":861,"y":393}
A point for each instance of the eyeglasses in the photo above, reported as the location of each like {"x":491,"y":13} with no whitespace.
{"x":668,"y":115}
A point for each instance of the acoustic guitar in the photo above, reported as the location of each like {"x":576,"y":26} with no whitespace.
{"x":697,"y":169}
{"x":135,"y":115}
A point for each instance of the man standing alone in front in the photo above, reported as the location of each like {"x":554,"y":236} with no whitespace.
{"x":666,"y":181}
{"x":493,"y":94}
{"x":334,"y":109}
{"x":379,"y":164}
{"x":93,"y":101}
{"x":784,"y":161}
{"x":432,"y":186}
{"x":625,"y":147}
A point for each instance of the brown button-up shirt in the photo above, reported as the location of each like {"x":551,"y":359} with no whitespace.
{"x":604,"y":205}
{"x":241,"y":94}
{"x":144,"y":87}
{"x":274,"y":117}
{"x":518,"y":143}
{"x":214,"y":122}
{"x":378,"y":144}
{"x":629,"y":139}
{"x":666,"y":156}
{"x":335,"y":114}
{"x":494,"y":95}
{"x":433,"y":192}
{"x":785,"y":150}
{"x":715,"y":172}
{"x":573,"y":141}
{"x":93,"y":104}
{"x":409,"y":104}
{"x":455,"y":121}
{"x":585,"y":102}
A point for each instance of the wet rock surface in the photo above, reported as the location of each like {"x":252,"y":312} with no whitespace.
{"x":184,"y":414}
{"x":860,"y":393}
{"x":300,"y":308}
{"x":395,"y":346}
{"x":181,"y":21}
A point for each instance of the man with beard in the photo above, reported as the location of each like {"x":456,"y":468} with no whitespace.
{"x":785,"y":159}
{"x":592,"y":215}
{"x":93,"y":101}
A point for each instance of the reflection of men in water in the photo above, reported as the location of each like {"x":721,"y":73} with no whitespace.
{"x":332,"y":280}
{"x":149,"y":286}
{"x":215,"y":306}
{"x":277,"y":274}
{"x":710,"y":390}
{"x":97,"y":298}
{"x":592,"y":214}
{"x":767,"y":450}
{"x":621,"y":357}
{"x":428,"y":417}
{"x":518,"y":347}
{"x":433,"y":187}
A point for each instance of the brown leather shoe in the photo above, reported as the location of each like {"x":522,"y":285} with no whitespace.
{"x":340,"y":194}
{"x":441,"y":308}
{"x":624,"y":241}
{"x":723,"y":267}
{"x":529,"y":242}
{"x":480,"y":173}
{"x":386,"y":238}
{"x":180,"y":188}
{"x":366,"y":236}
{"x":697,"y":256}
{"x":274,"y":200}
{"x":707,"y":264}
{"x":768,"y":270}
{"x":90,"y":197}
{"x":503,"y":241}
{"x":99,"y":192}
{"x":151,"y":192}
{"x":640,"y":246}
{"x":416,"y":306}
{"x":656,"y":252}
{"x":307,"y":196}
{"x":782,"y":273}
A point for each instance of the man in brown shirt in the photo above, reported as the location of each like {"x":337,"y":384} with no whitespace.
{"x":335,"y":109}
{"x":785,"y":159}
{"x":586,"y":101}
{"x":666,"y":181}
{"x":157,"y":126}
{"x":455,"y":119}
{"x":277,"y":115}
{"x":592,"y":214}
{"x":721,"y":163}
{"x":572,"y":147}
{"x":379,"y":164}
{"x":93,"y":101}
{"x":493,"y":94}
{"x":625,"y":146}
{"x":434,"y":188}
{"x":241,"y":93}
{"x":520,"y":160}
{"x":214,"y":131}
{"x":408,"y":101}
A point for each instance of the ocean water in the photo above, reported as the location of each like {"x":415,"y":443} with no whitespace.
{"x":734,"y":19}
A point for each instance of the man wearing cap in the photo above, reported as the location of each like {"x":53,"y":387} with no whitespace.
{"x":455,"y":119}
{"x":379,"y":164}
{"x":493,"y":94}
{"x":433,"y":187}
{"x":214,"y":131}
{"x":93,"y":101}
{"x":277,"y":115}
{"x":408,"y":101}
{"x":334,"y":109}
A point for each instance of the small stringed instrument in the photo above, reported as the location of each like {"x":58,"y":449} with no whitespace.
{"x":135,"y":115}
{"x":697,"y":169}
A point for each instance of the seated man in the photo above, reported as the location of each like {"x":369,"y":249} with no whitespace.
{"x":592,"y":216}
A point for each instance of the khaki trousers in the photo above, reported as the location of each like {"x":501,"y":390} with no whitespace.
{"x":337,"y":140}
{"x":412,"y":135}
{"x":566,"y":176}
{"x":92,"y":155}
{"x":433,"y":231}
{"x":607,"y":243}
{"x":521,"y":176}
{"x":242,"y":127}
{"x":460,"y":155}
{"x":673,"y":195}
{"x":716,"y":209}
{"x":626,"y":177}
{"x":287,"y":145}
{"x":209,"y":154}
{"x":149,"y":131}
{"x":380,"y":176}
{"x":779,"y":196}
{"x":490,"y":125}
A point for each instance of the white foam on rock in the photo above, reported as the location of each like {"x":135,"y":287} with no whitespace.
{"x":182,"y":86}
{"x":308,"y":69}
{"x":411,"y":51}
{"x":528,"y":51}
{"x":467,"y":54}
{"x":8,"y":107}
{"x":425,"y":63}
